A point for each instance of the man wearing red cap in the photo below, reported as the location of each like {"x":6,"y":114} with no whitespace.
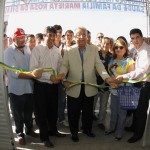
{"x":20,"y":85}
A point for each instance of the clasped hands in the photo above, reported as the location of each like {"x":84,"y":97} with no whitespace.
{"x":114,"y":81}
{"x":56,"y":79}
{"x":37,"y":73}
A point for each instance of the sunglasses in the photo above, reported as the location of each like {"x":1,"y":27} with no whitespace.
{"x":100,"y":37}
{"x":120,"y":47}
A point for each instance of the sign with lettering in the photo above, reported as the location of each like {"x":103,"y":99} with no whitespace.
{"x":138,"y":6}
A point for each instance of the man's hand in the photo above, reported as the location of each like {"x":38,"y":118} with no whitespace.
{"x":37,"y":73}
{"x":61,"y":76}
{"x":66,"y":84}
{"x":110,"y":80}
{"x":114,"y":85}
{"x":54,"y":79}
{"x":119,"y":78}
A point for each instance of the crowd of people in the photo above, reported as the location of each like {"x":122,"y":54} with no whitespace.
{"x":72,"y":57}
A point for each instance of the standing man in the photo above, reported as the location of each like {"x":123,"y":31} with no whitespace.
{"x":99,"y":37}
{"x":47,"y":55}
{"x":142,"y":68}
{"x":39,"y":38}
{"x":30,"y":41}
{"x":105,"y":56}
{"x":20,"y":85}
{"x":58,"y":43}
{"x":79,"y":65}
{"x":69,"y":41}
{"x":89,"y":40}
{"x":61,"y":93}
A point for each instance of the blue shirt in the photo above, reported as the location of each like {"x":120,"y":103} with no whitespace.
{"x":15,"y":58}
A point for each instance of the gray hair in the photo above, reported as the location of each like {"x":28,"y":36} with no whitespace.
{"x":80,"y":28}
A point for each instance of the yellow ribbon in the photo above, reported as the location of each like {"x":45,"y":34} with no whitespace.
{"x":73,"y":83}
{"x":24,"y":71}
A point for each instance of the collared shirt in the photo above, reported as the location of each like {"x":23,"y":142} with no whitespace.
{"x":43,"y":57}
{"x":105,"y":62}
{"x":82,"y":54}
{"x":142,"y":64}
{"x":65,"y":47}
{"x":15,"y":58}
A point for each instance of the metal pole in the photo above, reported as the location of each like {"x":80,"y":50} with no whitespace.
{"x":147,"y":18}
{"x":7,"y":137}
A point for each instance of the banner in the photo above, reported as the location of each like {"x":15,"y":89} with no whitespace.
{"x":102,"y":5}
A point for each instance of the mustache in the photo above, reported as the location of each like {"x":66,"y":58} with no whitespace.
{"x":20,"y":46}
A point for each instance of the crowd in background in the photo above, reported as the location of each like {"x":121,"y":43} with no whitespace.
{"x":106,"y":62}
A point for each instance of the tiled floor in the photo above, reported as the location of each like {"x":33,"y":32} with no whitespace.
{"x":100,"y":142}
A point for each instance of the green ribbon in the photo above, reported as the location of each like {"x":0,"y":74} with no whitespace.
{"x":73,"y":83}
{"x":136,"y":81}
{"x":24,"y":71}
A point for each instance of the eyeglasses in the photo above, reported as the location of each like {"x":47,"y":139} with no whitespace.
{"x":100,"y":37}
{"x":120,"y":47}
{"x":81,"y":35}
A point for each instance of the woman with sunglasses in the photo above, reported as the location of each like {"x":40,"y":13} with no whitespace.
{"x":120,"y":63}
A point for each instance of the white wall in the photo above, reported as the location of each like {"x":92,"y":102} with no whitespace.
{"x":112,"y":24}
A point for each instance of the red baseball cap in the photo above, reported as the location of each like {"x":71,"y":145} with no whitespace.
{"x":19,"y":32}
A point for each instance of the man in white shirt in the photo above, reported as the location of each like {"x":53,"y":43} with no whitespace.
{"x":142,"y":68}
{"x":47,"y":55}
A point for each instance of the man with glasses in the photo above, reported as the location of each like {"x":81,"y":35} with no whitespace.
{"x":142,"y":68}
{"x":79,"y":63}
{"x":99,"y":37}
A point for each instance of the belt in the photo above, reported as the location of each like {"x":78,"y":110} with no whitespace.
{"x":141,"y":84}
{"x":44,"y":83}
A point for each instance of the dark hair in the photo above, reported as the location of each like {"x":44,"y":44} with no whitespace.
{"x":69,"y":31}
{"x":30,"y":36}
{"x":107,"y":38}
{"x":88,"y":32}
{"x":123,"y":38}
{"x":122,"y":42}
{"x":57,"y":27}
{"x":39,"y":36}
{"x":136,"y":30}
{"x":49,"y":29}
{"x":5,"y":35}
{"x":111,"y":42}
